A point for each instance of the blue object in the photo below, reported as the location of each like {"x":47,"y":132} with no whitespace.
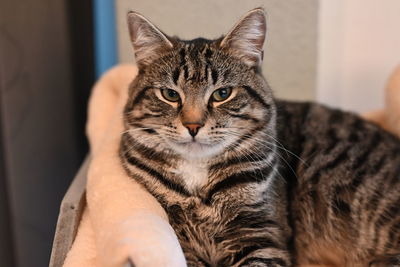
{"x":105,"y":43}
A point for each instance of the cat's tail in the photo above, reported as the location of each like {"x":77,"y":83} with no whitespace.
{"x":393,"y":102}
{"x":389,"y":117}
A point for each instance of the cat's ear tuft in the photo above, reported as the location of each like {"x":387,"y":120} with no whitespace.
{"x":246,"y":39}
{"x":147,"y":40}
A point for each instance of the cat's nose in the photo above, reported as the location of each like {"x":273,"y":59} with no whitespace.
{"x":193,"y":128}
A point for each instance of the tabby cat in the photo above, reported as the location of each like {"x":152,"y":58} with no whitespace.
{"x":248,"y":180}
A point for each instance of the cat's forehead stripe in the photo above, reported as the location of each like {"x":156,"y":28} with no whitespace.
{"x":195,"y":63}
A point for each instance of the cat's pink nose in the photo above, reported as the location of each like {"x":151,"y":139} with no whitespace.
{"x":193,"y":128}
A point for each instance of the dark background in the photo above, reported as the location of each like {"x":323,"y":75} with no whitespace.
{"x":46,"y":72}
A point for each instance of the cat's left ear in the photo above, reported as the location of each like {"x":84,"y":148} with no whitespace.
{"x":147,"y":40}
{"x":246,"y":39}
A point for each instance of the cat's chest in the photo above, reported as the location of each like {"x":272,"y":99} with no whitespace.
{"x":192,"y":173}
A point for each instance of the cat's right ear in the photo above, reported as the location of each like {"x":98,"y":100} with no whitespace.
{"x":147,"y":40}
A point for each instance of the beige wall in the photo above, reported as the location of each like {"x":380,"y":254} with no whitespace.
{"x":359,"y":47}
{"x":291,"y":47}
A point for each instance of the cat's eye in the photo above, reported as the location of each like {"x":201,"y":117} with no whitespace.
{"x":170,"y":95}
{"x":221,"y":94}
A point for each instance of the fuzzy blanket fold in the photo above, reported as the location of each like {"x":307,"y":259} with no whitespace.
{"x":122,"y":220}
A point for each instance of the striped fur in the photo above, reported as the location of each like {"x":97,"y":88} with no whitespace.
{"x":258,"y":169}
{"x":345,"y":200}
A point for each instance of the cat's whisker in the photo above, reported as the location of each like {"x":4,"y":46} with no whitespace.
{"x":259,"y":153}
{"x":262,"y":141}
{"x":266,"y":145}
{"x":278,"y":144}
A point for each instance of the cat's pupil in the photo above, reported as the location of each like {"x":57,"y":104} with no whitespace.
{"x":223,"y":93}
{"x":170,"y":95}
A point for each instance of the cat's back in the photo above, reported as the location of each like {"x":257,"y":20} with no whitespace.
{"x":345,"y":192}
{"x":332,"y":139}
{"x":323,"y":134}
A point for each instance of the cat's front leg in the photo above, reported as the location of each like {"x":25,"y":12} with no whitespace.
{"x":266,"y":257}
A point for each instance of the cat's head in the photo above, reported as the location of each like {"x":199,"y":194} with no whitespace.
{"x":197,"y":98}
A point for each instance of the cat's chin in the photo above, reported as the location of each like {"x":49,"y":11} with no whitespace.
{"x":197,"y":150}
